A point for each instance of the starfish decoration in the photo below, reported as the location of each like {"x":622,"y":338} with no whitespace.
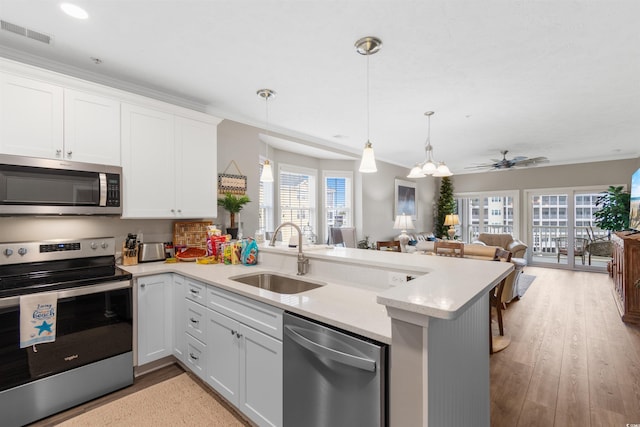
{"x":45,"y":327}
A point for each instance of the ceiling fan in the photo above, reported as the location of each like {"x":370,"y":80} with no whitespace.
{"x":504,"y":163}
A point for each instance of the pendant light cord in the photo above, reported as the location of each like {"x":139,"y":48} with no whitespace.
{"x":266,"y":107}
{"x":368,"y":103}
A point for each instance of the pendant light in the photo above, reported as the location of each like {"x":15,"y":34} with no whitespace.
{"x":267,"y":173}
{"x":429,"y":167}
{"x":368,"y":46}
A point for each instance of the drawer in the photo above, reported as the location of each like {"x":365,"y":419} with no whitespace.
{"x":196,"y":291}
{"x":194,"y":320}
{"x":260,"y":316}
{"x":195,"y":358}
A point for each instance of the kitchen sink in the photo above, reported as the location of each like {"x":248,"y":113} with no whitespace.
{"x":277,"y":283}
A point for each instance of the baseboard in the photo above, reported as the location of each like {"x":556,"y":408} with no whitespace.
{"x":153,"y":366}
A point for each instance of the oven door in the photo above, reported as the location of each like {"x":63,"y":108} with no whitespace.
{"x":93,"y":323}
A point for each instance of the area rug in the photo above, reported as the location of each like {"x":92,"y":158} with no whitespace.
{"x":524,"y":281}
{"x":178,"y":401}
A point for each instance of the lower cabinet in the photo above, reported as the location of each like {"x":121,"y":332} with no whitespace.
{"x":179,"y":338}
{"x":245,"y":366}
{"x":235,"y":345}
{"x":155,"y":317}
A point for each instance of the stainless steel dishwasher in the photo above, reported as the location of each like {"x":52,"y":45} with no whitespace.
{"x":331,"y":377}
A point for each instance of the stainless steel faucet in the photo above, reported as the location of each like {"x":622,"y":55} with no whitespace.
{"x":303,"y":261}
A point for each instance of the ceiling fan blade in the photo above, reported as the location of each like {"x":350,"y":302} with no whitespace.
{"x":532,"y":161}
{"x":518,"y":159}
{"x":488,"y":165}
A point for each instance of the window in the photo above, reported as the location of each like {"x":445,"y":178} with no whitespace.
{"x":265,"y":213}
{"x":297,"y":196}
{"x":494,"y":212}
{"x":337,"y":190}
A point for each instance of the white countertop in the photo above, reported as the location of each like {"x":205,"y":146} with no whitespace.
{"x":444,"y":288}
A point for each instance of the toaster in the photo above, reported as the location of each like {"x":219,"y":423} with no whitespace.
{"x":148,"y":252}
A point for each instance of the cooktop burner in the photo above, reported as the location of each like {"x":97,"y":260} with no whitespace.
{"x":29,"y":267}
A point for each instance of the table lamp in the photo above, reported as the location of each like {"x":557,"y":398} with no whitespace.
{"x":451,"y":220}
{"x":404,"y":223}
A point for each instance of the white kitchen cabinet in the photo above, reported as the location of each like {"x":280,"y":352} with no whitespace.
{"x":155,"y":317}
{"x":148,"y":163}
{"x":31,"y":117}
{"x":169,"y":165}
{"x":91,"y":128}
{"x":179,"y":309}
{"x":39,"y":119}
{"x":195,"y":358}
{"x":244,"y":364}
{"x":196,"y":168}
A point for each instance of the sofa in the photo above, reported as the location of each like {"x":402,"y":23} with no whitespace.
{"x":504,"y":240}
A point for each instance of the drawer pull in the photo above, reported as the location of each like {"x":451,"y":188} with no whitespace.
{"x":194,"y":292}
{"x":233,"y":332}
{"x":193,"y":356}
{"x":194,"y":321}
{"x":238,"y":334}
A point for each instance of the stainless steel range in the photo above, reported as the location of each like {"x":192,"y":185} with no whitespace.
{"x":92,"y":352}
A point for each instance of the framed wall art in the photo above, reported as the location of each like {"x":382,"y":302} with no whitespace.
{"x":405,"y":199}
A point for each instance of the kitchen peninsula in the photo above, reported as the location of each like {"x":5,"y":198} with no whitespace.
{"x":436,"y":324}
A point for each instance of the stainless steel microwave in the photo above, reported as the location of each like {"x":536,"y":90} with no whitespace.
{"x":34,"y":186}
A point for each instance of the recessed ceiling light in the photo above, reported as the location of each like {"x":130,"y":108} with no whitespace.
{"x":74,"y":11}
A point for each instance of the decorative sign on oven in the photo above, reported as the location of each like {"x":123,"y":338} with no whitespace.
{"x":38,"y":318}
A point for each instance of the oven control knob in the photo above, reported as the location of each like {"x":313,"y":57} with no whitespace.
{"x":94,"y":245}
{"x":8,"y":252}
{"x":104,"y":245}
{"x":22,"y":251}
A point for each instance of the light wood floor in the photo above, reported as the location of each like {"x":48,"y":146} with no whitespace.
{"x":572,"y":361}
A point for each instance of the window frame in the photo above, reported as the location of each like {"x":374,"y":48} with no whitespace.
{"x":348,"y":199}
{"x":313,"y":192}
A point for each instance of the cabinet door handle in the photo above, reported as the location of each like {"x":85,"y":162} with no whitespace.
{"x":179,"y":210}
{"x":69,"y":153}
{"x":58,"y":152}
{"x":233,"y":332}
{"x":142,"y":285}
{"x":194,"y":321}
{"x":173,"y":211}
{"x":238,"y":334}
{"x":193,"y":356}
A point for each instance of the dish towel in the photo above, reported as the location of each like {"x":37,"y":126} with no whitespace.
{"x":38,"y":318}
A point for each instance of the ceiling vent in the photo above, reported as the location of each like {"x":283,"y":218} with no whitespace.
{"x":25,"y":32}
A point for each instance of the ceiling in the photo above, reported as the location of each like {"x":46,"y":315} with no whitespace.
{"x":538,"y":78}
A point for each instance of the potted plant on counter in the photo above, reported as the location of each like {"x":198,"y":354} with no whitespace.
{"x":233,"y":204}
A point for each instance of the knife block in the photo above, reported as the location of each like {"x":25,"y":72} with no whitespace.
{"x":129,"y":260}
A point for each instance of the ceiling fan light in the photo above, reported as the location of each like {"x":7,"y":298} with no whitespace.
{"x":416,"y":172}
{"x":429,"y":168}
{"x":368,"y":162}
{"x":442,"y":170}
{"x":267,"y":172}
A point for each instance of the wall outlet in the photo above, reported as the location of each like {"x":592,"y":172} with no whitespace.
{"x":395,"y":278}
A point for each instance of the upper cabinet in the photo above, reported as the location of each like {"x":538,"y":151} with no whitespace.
{"x":91,"y":128}
{"x":31,"y":117}
{"x":169,"y":164}
{"x":39,"y":119}
{"x":168,"y":153}
{"x":196,"y":168}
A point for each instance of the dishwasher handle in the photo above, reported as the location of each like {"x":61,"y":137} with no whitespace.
{"x":338,"y":356}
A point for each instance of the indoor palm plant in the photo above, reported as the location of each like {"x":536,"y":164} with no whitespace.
{"x":614,"y":209}
{"x":233,"y":204}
